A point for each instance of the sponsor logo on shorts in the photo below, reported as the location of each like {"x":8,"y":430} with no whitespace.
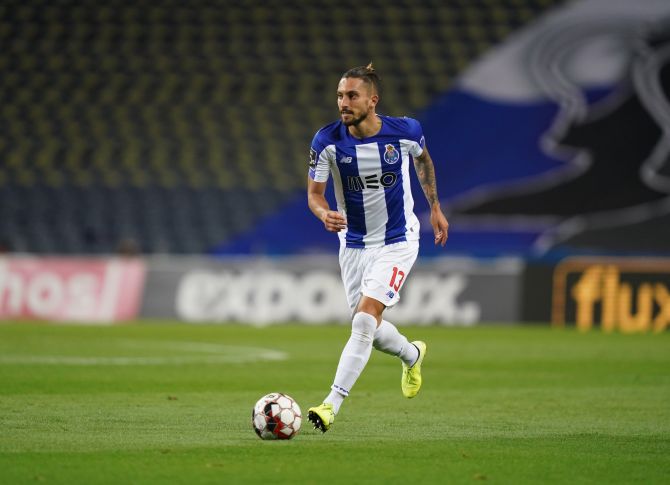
{"x":390,"y":294}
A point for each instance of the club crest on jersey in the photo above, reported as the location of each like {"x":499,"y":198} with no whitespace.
{"x":391,"y":155}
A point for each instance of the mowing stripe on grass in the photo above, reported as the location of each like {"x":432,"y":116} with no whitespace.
{"x":193,"y":353}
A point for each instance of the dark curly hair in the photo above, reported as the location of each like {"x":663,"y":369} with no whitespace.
{"x":367,"y":74}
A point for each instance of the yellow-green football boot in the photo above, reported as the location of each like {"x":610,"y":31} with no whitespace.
{"x":411,"y":376}
{"x":322,"y":416}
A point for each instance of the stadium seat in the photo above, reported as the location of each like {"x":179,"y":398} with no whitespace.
{"x":178,"y":125}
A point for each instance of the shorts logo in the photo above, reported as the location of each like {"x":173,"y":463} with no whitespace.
{"x":312,"y":158}
{"x":391,"y":155}
{"x":390,"y":294}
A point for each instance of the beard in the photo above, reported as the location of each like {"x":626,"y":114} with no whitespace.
{"x":354,"y":121}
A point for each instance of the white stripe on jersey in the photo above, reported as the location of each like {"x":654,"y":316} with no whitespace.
{"x":411,"y":221}
{"x":374,"y":200}
{"x":322,"y":169}
{"x":339,"y":195}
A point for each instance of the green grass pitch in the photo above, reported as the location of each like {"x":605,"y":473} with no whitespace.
{"x":168,"y":403}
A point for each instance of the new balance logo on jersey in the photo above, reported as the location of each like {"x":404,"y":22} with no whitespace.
{"x":346,"y":159}
{"x":374,"y":181}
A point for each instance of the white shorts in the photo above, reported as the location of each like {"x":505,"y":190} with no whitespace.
{"x":377,"y":273}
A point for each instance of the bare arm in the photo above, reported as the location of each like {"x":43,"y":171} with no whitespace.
{"x":425,"y":170}
{"x":333,"y":221}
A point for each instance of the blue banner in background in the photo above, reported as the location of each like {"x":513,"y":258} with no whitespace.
{"x":553,"y":143}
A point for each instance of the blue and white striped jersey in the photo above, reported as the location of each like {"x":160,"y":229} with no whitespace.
{"x":371,"y":179}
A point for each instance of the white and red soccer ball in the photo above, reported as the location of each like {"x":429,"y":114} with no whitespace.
{"x":276,"y":417}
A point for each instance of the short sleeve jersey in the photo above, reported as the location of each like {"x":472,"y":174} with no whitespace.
{"x":371,"y":179}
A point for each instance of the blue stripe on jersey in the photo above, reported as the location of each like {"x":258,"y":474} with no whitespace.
{"x":395,"y":204}
{"x":353,"y":197}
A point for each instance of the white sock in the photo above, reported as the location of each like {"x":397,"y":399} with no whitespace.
{"x":336,"y":399}
{"x":353,"y":359}
{"x":390,"y":341}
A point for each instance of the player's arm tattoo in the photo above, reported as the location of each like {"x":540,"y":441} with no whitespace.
{"x":426,"y":173}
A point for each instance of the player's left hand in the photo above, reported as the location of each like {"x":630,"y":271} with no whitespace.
{"x":440,"y":225}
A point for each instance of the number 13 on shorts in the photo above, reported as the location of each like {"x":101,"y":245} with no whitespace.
{"x":397,"y":278}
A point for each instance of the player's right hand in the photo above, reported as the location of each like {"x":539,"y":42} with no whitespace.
{"x":334,"y":221}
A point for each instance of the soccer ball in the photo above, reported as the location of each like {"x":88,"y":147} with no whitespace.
{"x":276,"y":417}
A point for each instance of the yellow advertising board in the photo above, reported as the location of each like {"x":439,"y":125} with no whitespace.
{"x":625,"y":294}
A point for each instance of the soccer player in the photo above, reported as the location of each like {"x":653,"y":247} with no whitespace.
{"x":368,"y":156}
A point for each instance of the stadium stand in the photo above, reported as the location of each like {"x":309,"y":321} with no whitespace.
{"x":178,"y":124}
